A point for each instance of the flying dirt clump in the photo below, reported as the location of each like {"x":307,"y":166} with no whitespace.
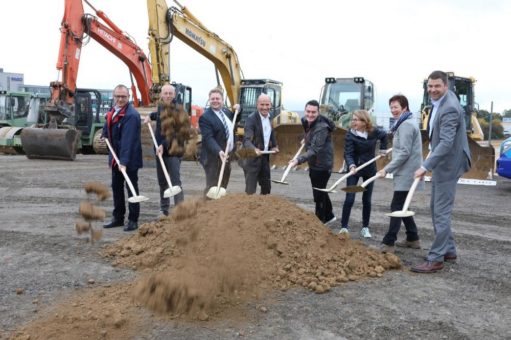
{"x":212,"y":254}
{"x":90,"y":212}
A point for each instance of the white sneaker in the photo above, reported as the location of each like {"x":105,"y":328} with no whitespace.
{"x":344,"y":231}
{"x":365,"y":233}
{"x":329,"y":223}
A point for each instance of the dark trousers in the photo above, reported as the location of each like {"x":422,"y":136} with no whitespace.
{"x":319,"y":179}
{"x":212,"y":170}
{"x":173,"y":166}
{"x":118,"y":184}
{"x":259,"y":175}
{"x":350,"y":200}
{"x":398,"y":201}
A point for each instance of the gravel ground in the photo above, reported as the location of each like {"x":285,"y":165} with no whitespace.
{"x":42,"y":257}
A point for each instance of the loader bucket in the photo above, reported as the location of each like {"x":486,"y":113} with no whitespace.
{"x":50,"y":143}
{"x":289,"y":137}
{"x":483,"y":158}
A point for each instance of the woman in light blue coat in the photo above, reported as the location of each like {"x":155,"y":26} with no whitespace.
{"x":406,"y":157}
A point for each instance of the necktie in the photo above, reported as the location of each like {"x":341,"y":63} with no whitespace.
{"x":116,"y":113}
{"x":225,"y":125}
{"x":429,"y":120}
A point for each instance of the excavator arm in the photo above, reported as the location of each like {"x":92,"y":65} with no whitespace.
{"x":57,"y":141}
{"x":182,"y":24}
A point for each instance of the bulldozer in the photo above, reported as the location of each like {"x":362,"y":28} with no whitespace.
{"x":483,"y":153}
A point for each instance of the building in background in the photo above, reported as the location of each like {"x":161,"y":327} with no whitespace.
{"x":10,"y":81}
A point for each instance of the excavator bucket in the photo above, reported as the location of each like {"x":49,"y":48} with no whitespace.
{"x":50,"y":143}
{"x":289,"y":137}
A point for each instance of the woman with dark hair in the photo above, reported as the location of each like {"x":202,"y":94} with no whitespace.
{"x":406,"y":158}
{"x":359,"y":147}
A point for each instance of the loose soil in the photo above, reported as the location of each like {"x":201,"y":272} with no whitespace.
{"x":247,"y":266}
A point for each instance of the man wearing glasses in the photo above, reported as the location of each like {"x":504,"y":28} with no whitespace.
{"x":122,"y":128}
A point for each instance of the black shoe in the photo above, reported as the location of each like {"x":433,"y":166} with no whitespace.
{"x":131,"y":226}
{"x":114,"y":223}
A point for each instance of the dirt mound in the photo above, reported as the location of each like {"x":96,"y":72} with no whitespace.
{"x":209,"y":255}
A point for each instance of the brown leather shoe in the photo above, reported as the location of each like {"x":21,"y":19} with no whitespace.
{"x":408,"y":244}
{"x":384,"y":248}
{"x":428,"y":267}
{"x":450,"y":257}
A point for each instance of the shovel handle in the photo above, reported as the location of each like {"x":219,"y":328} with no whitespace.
{"x":370,"y":180}
{"x":410,"y":193}
{"x":225,"y":153}
{"x":130,"y":185}
{"x":162,"y":163}
{"x":288,"y":168}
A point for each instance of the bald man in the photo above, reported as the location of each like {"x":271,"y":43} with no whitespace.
{"x":259,"y":135}
{"x":172,"y":161}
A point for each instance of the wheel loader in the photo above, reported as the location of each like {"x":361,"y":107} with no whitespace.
{"x":338,"y":99}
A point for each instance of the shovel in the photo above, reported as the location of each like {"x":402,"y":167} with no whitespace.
{"x":217,"y":192}
{"x":405,"y":212}
{"x":171,"y":190}
{"x":362,"y":187}
{"x":331,"y":189}
{"x":282,"y":180}
{"x":134,"y":198}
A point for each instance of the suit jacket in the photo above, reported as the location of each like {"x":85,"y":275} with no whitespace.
{"x":450,"y":154}
{"x":406,"y":155}
{"x":213,"y":136}
{"x":254,"y":138}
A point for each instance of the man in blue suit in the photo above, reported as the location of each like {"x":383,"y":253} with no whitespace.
{"x":122,"y":128}
{"x":448,"y":160}
{"x":217,"y":131}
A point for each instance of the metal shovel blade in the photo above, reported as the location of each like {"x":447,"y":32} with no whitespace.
{"x":172,"y":191}
{"x":279,"y":182}
{"x":137,"y":199}
{"x":215,"y":193}
{"x":354,"y":188}
{"x":401,"y":213}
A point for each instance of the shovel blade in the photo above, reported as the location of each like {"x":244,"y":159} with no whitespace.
{"x":215,"y":193}
{"x":137,"y":199}
{"x":401,"y":213}
{"x":172,"y":191}
{"x":355,"y":188}
{"x":279,"y":182}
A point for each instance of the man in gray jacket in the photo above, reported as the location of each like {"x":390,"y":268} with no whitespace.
{"x":448,"y":160}
{"x":406,"y":158}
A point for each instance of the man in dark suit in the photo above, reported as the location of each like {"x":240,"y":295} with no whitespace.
{"x":122,"y":128}
{"x":259,"y":136}
{"x":448,"y":160}
{"x":217,"y":131}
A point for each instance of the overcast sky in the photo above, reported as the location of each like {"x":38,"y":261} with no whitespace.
{"x":393,"y":43}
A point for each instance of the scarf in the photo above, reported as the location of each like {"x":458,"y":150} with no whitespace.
{"x":111,"y":119}
{"x":401,"y":119}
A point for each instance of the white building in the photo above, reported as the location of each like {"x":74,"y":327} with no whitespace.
{"x":11,"y":81}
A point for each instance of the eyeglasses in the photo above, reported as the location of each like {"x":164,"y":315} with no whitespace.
{"x":120,"y":97}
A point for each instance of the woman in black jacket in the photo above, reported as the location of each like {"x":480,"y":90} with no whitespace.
{"x":319,"y":155}
{"x":359,"y":147}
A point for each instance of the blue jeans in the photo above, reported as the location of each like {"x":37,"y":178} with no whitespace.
{"x":350,"y":199}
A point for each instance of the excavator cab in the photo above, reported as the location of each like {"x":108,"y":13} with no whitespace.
{"x":341,"y":96}
{"x":251,"y":89}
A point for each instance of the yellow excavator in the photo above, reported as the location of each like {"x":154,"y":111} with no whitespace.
{"x":166,"y":23}
{"x":483,"y":153}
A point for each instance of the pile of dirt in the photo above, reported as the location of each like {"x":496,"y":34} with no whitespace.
{"x":212,"y":254}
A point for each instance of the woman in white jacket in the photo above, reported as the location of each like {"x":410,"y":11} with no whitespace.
{"x":406,"y":158}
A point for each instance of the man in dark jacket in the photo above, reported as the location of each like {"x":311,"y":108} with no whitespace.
{"x":259,"y":136}
{"x":122,"y":128}
{"x":217,"y":131}
{"x":319,"y":155}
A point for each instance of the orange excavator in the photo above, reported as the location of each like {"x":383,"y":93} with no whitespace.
{"x":59,"y":137}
